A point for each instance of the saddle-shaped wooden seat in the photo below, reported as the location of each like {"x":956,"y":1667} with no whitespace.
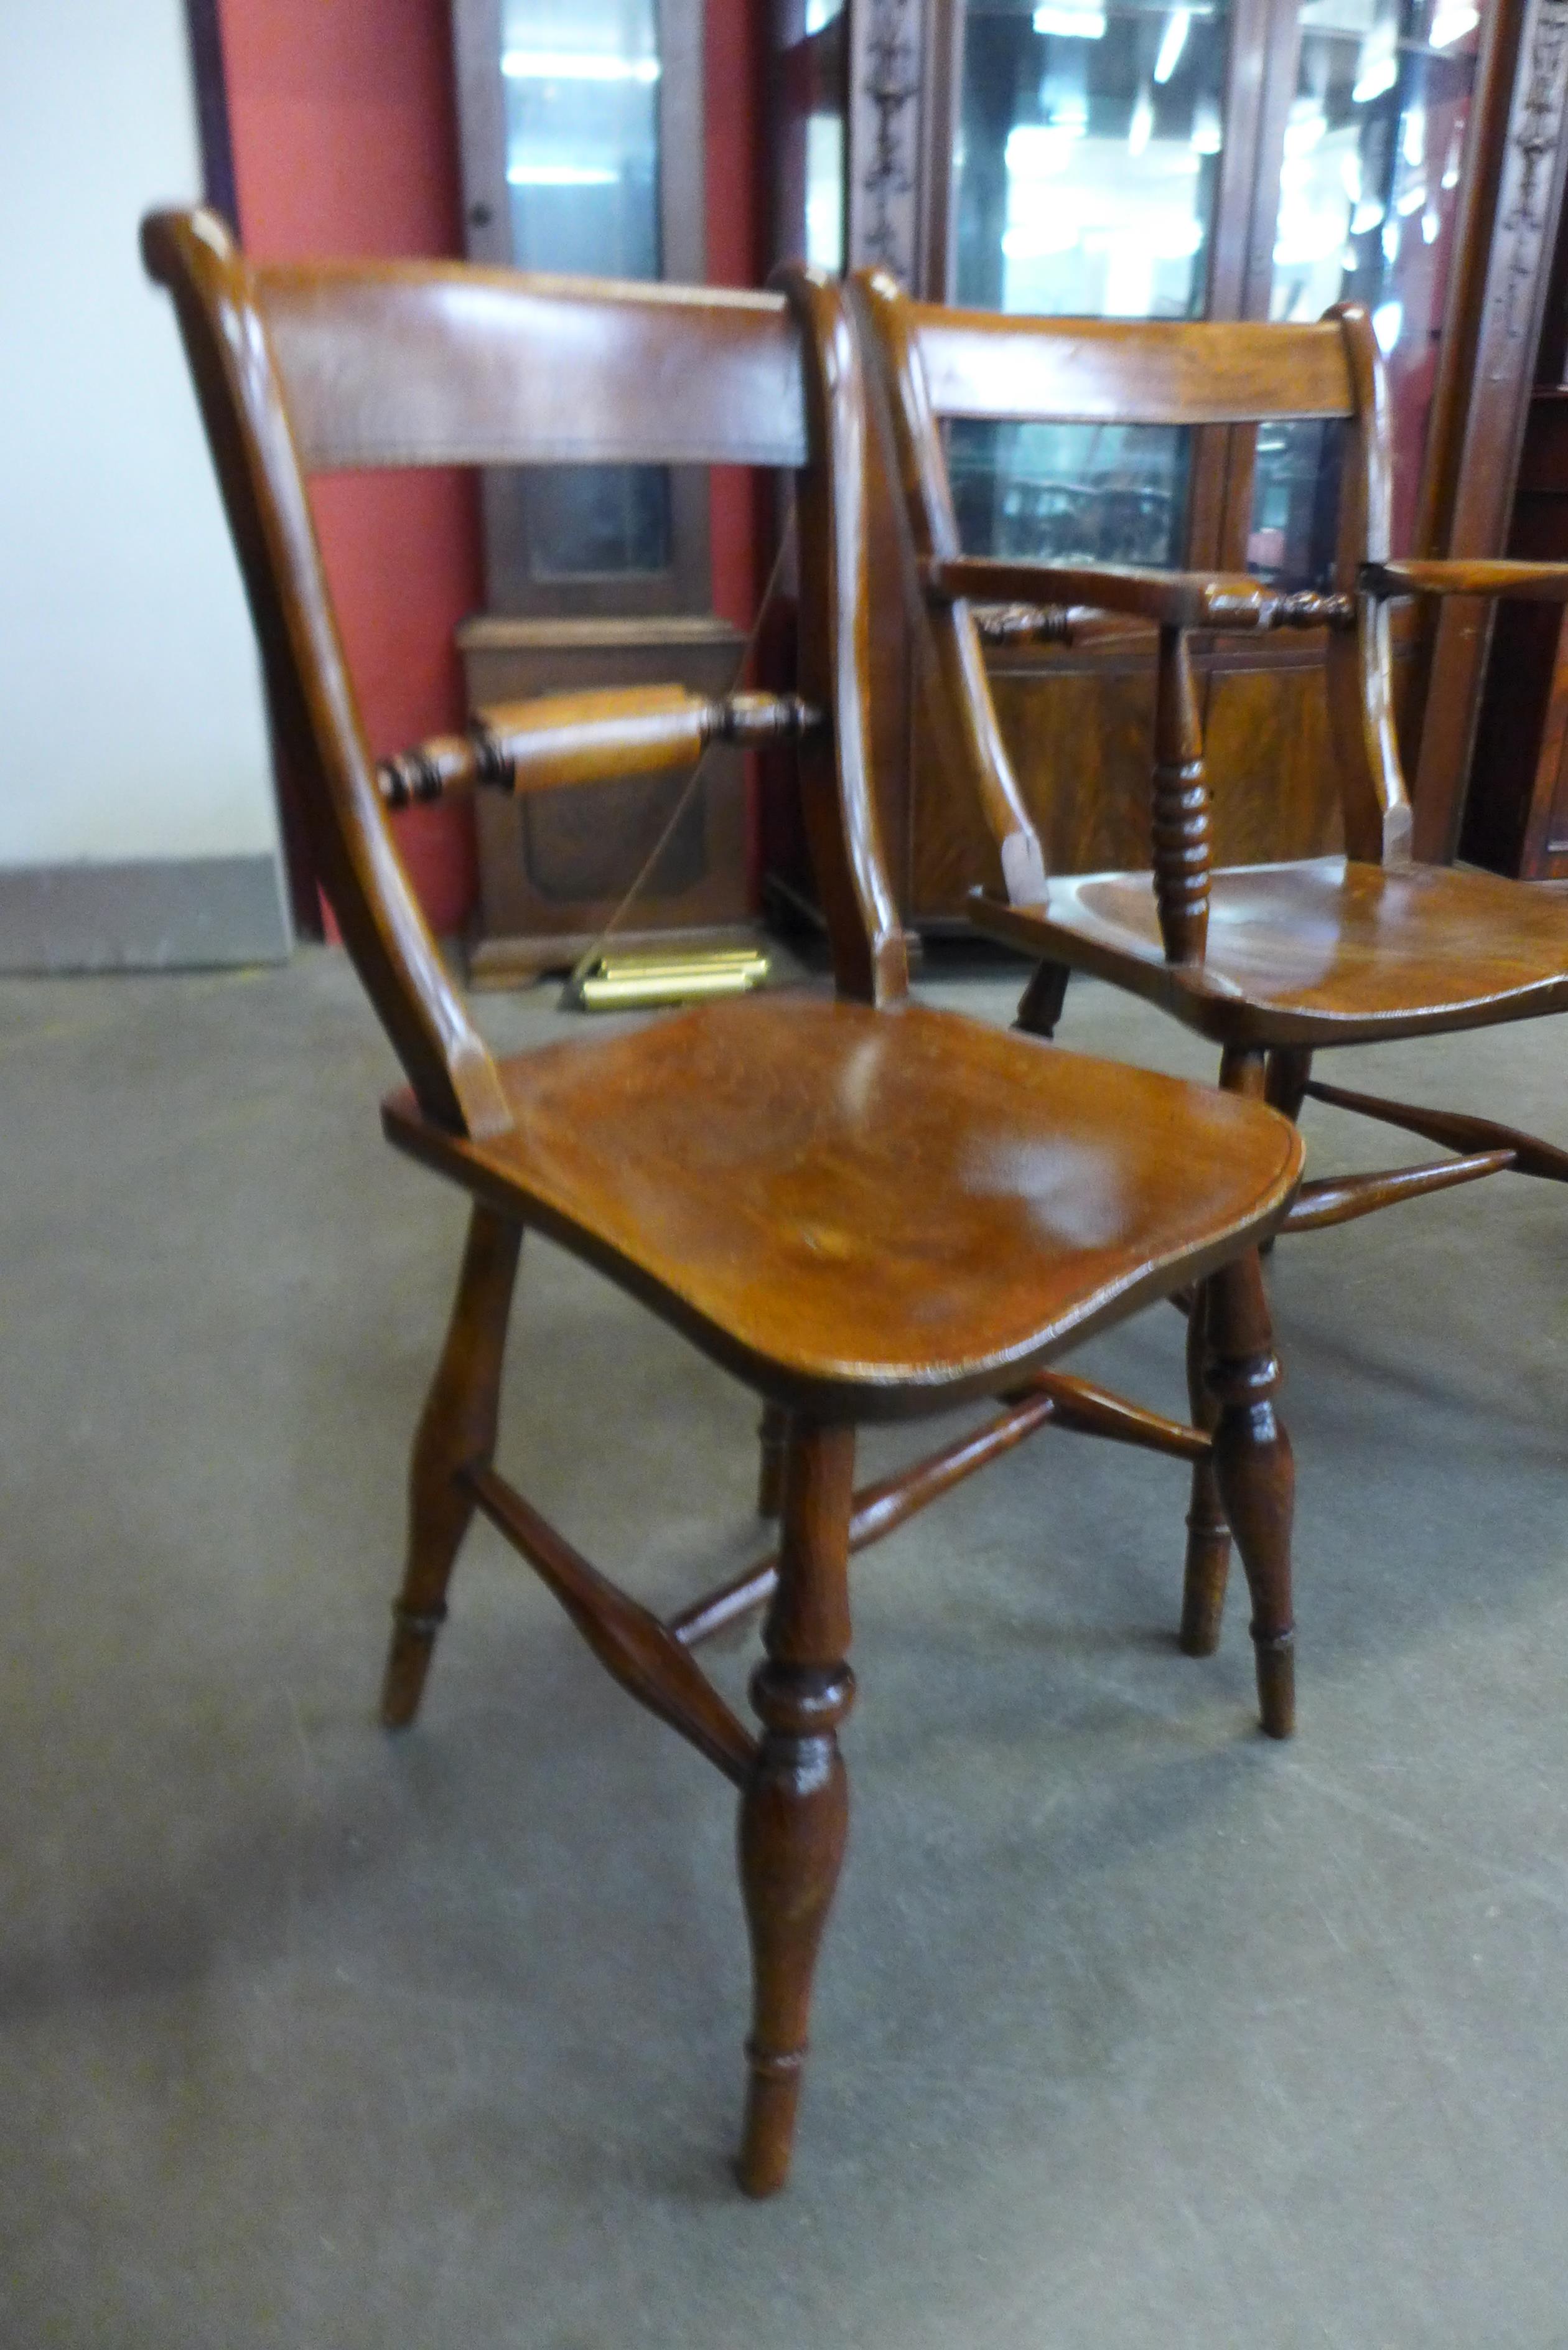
{"x":1322,"y":952}
{"x":852,"y":1181}
{"x":863,"y":1208}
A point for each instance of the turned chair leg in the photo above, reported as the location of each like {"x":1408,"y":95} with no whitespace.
{"x":1285,"y":1088}
{"x":1257,"y":1478}
{"x":456,"y":1431}
{"x":794,"y":1809}
{"x":771,"y":1430}
{"x":1208,"y":1529}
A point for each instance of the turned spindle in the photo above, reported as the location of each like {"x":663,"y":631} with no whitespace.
{"x":1256,"y":1476}
{"x":795,"y":1810}
{"x":1208,"y":1528}
{"x":1180,"y":806}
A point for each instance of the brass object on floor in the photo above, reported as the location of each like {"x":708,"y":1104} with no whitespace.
{"x":616,"y":983}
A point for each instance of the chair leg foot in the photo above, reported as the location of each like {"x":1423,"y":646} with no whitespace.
{"x":456,"y":1430}
{"x":1203,"y":1587}
{"x":1257,"y":1477}
{"x":1276,"y":1681}
{"x":408,"y":1662}
{"x":1207,"y":1530}
{"x":771,"y":1430}
{"x":795,"y":1810}
{"x":1040,"y":1006}
{"x":767,"y":2134}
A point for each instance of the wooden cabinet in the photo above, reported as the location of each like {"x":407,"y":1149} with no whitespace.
{"x":1233,"y":159}
{"x":582,"y":140}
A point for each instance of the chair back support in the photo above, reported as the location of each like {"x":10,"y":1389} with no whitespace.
{"x":326,"y":366}
{"x":937,"y":363}
{"x":425,"y":364}
{"x":1128,"y":370}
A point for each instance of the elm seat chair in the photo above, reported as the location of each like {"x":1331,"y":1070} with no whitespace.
{"x":863,"y":1208}
{"x":1269,"y":961}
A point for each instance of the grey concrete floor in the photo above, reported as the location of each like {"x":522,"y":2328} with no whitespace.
{"x":1131,"y":2028}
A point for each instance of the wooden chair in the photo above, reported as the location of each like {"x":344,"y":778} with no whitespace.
{"x":1272,"y":960}
{"x":863,"y":1208}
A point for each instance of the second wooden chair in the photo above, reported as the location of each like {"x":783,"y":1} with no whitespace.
{"x":1269,"y":961}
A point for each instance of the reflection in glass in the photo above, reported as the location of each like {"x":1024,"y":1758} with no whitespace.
{"x":1070,"y":493}
{"x":1296,"y":500}
{"x":1368,"y":198}
{"x":1086,"y":160}
{"x":1086,"y":176}
{"x":581,"y":180}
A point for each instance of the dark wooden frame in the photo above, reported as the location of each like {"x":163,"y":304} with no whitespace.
{"x":687,"y":585}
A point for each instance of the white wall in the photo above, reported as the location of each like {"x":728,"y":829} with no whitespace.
{"x":130,"y":708}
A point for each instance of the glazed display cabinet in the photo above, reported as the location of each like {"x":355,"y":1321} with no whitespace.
{"x":582,"y":140}
{"x":1244,"y":159}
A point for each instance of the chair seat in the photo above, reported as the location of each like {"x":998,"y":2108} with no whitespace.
{"x":1322,"y":952}
{"x":822,"y":1195}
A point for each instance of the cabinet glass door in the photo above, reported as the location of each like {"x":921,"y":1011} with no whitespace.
{"x":1369,"y":193}
{"x":1087,"y":174}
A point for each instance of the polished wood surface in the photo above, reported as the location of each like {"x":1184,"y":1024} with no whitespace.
{"x":1129,"y":370}
{"x":794,"y":1811}
{"x":554,"y":867}
{"x":255,"y":448}
{"x":1178,"y":806}
{"x":558,"y":740}
{"x":419,"y":362}
{"x":1180,"y":599}
{"x":629,"y":1640}
{"x":853,"y":1184}
{"x":1342,"y":1198}
{"x":456,"y":1434}
{"x":1254,"y":1471}
{"x":1323,"y":952}
{"x":865,"y":1209}
{"x":925,"y":386}
{"x":1459,"y":1129}
{"x":1047,"y":1397}
{"x":1503,"y":580}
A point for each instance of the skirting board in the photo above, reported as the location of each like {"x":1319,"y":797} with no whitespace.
{"x":161,"y":914}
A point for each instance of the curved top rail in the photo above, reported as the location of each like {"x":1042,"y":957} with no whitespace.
{"x":439,"y":363}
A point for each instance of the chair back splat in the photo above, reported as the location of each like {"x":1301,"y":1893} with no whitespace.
{"x":941,"y":364}
{"x":336,"y":366}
